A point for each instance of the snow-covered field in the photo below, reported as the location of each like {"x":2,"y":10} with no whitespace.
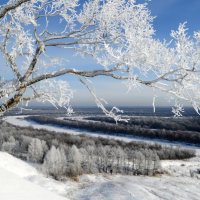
{"x":175,"y":185}
{"x":21,"y":181}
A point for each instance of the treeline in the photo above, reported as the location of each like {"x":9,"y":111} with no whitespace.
{"x":53,"y":138}
{"x":168,"y":123}
{"x":189,"y":137}
{"x":58,"y":158}
{"x":71,"y":161}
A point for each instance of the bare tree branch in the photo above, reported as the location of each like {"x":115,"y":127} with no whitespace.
{"x":5,"y":9}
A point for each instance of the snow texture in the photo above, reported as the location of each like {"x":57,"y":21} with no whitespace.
{"x":21,"y":181}
{"x":14,"y":183}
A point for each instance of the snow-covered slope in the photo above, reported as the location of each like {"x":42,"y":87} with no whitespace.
{"x":139,"y":188}
{"x":14,"y":187}
{"x":21,"y":181}
{"x":175,"y":185}
{"x":14,"y":183}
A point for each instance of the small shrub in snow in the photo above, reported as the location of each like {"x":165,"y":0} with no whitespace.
{"x":55,"y":162}
{"x":74,"y":161}
{"x":9,"y":145}
{"x":36,"y":150}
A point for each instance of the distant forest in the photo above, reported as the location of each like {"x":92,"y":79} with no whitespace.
{"x":185,"y":129}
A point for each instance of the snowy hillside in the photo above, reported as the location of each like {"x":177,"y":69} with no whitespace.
{"x":15,"y":188}
{"x":176,"y":184}
{"x":14,"y":183}
{"x":140,"y":188}
{"x":20,"y":181}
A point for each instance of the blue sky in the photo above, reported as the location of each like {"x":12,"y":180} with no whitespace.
{"x":171,"y":12}
{"x":168,"y":13}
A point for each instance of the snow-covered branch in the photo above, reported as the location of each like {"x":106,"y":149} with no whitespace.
{"x":11,"y":6}
{"x":118,"y":34}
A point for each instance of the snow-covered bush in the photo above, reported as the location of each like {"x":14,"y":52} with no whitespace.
{"x":36,"y":150}
{"x":74,"y":161}
{"x":25,"y":142}
{"x":9,"y":145}
{"x":55,"y":162}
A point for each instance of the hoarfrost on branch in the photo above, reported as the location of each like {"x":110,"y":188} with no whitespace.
{"x":118,"y":34}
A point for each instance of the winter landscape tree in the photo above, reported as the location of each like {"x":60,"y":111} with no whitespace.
{"x":36,"y":150}
{"x":9,"y":145}
{"x":118,"y":34}
{"x":74,"y":161}
{"x":55,"y":162}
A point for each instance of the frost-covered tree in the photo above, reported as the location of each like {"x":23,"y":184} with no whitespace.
{"x":118,"y":34}
{"x":119,"y":158}
{"x":91,"y":159}
{"x":36,"y":150}
{"x":55,"y":162}
{"x":101,"y":158}
{"x":74,"y":161}
{"x":139,"y":164}
{"x":9,"y":145}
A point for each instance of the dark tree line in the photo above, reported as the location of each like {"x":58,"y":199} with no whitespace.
{"x":168,"y":123}
{"x":130,"y":129}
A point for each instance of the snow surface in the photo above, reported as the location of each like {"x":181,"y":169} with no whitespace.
{"x":14,"y":184}
{"x":140,"y":188}
{"x":21,"y":181}
{"x":175,"y":185}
